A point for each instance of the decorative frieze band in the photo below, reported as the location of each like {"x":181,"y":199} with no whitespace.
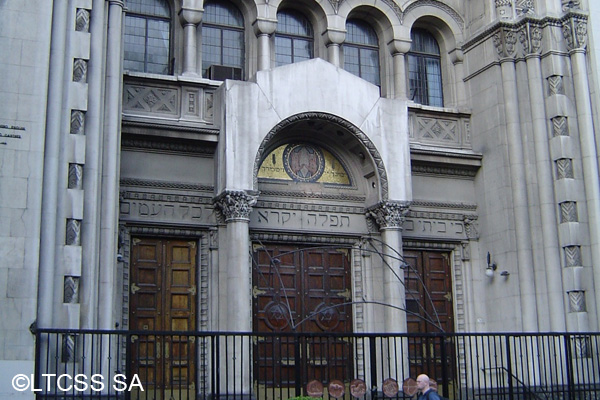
{"x":235,"y":206}
{"x":389,"y":214}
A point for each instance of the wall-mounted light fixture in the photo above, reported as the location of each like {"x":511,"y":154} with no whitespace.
{"x":491,"y":267}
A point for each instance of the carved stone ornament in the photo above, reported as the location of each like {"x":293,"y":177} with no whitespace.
{"x":470,"y":227}
{"x":505,"y":41}
{"x":504,"y":9}
{"x":568,"y":5}
{"x":389,"y":214}
{"x":525,"y":7}
{"x":336,"y":4}
{"x":530,"y":37}
{"x":235,"y":205}
{"x":575,"y":32}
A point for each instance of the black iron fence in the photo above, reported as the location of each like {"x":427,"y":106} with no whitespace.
{"x":74,"y":364}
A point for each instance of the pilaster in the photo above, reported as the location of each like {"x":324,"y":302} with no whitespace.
{"x":575,"y":34}
{"x":530,"y":37}
{"x":505,"y":41}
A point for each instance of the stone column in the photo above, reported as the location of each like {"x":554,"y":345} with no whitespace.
{"x":48,"y":233}
{"x":235,"y":207}
{"x":575,"y":34}
{"x":333,"y":39}
{"x":264,"y":28}
{"x":110,"y":167}
{"x":530,"y":37}
{"x":389,"y":216}
{"x":190,"y":16}
{"x":399,"y":48}
{"x":457,"y":57}
{"x":505,"y":41}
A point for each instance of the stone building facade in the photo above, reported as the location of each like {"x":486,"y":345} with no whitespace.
{"x":149,"y":146}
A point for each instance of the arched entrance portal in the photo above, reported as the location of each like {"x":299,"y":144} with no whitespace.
{"x":316,"y":175}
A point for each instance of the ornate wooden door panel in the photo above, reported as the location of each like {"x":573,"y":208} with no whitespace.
{"x":429,"y":304}
{"x":305,"y":289}
{"x":163,"y":298}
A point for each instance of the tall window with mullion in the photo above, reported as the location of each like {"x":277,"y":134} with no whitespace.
{"x":361,"y":51}
{"x":222,"y":36}
{"x":424,"y":69}
{"x":293,"y":38}
{"x":147,"y":36}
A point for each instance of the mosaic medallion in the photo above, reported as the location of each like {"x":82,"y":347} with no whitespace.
{"x":303,"y":162}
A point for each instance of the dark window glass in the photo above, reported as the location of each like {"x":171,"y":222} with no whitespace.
{"x":361,"y":51}
{"x":424,"y":69}
{"x":293,"y":38}
{"x":147,"y":35}
{"x":222,"y":36}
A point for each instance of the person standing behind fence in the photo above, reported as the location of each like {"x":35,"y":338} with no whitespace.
{"x":426,"y":392}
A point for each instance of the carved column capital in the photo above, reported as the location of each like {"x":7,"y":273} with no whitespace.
{"x":575,"y":31}
{"x":505,"y":42}
{"x":530,"y":37}
{"x":234,"y":205}
{"x":389,"y":214}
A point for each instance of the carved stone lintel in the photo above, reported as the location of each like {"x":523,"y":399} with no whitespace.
{"x":235,"y":205}
{"x":389,"y":214}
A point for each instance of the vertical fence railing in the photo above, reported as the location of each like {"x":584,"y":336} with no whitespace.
{"x":144,"y":365}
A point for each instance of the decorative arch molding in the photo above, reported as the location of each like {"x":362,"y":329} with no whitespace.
{"x":358,"y":134}
{"x":446,"y":9}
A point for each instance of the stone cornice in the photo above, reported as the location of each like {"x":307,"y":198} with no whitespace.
{"x":165,"y":185}
{"x":518,"y":24}
{"x":162,"y":145}
{"x":320,"y":196}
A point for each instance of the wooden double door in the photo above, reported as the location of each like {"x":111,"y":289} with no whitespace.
{"x":162,"y":294}
{"x":429,"y":298}
{"x":308,"y":290}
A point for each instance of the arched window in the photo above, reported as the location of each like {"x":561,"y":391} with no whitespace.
{"x":424,"y":69}
{"x":222,"y":41}
{"x":293,"y":38}
{"x":361,"y":51}
{"x":147,"y":36}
